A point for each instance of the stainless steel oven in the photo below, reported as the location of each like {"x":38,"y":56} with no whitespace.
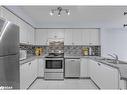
{"x":54,"y":68}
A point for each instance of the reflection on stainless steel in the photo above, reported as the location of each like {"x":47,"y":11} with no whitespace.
{"x":9,"y":55}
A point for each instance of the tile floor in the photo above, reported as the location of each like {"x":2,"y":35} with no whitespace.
{"x":65,"y":84}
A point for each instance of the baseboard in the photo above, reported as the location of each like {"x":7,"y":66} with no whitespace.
{"x":31,"y":83}
{"x":84,"y":77}
{"x":95,"y":83}
{"x":40,"y":77}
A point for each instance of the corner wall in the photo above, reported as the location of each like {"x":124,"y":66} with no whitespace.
{"x":114,"y":41}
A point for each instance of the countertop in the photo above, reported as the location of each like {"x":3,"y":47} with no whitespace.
{"x":122,"y":67}
{"x":30,"y":58}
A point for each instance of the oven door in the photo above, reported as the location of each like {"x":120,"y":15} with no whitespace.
{"x":54,"y":65}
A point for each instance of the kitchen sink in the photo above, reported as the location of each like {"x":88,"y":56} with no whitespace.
{"x":108,"y":60}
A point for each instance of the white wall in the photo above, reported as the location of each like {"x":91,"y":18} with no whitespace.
{"x":114,"y":41}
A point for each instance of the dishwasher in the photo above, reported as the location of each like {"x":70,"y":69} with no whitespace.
{"x":72,"y":68}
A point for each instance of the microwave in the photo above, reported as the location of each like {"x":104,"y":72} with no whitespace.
{"x":23,"y":54}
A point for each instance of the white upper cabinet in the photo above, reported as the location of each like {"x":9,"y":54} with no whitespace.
{"x":91,"y":37}
{"x":8,"y":15}
{"x":26,"y":31}
{"x":77,"y":36}
{"x":94,"y":37}
{"x":23,"y":31}
{"x":68,"y":37}
{"x":85,"y":37}
{"x":30,"y":35}
{"x":41,"y":36}
{"x":82,"y":37}
{"x":55,"y":33}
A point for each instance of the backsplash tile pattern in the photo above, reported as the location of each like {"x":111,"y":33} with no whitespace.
{"x":30,"y":48}
{"x":68,"y":50}
{"x":77,"y":50}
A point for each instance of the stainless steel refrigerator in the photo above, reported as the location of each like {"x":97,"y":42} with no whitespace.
{"x":9,"y":55}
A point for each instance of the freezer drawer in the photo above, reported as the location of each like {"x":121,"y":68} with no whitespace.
{"x":72,"y":67}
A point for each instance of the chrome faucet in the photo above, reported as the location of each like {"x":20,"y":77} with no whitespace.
{"x":115,"y":56}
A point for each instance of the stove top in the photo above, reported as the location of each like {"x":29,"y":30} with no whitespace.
{"x":54,"y":55}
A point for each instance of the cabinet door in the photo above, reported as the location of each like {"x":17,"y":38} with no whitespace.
{"x":24,"y":76}
{"x":68,"y":37}
{"x":77,"y":36}
{"x":85,"y":36}
{"x":30,"y":34}
{"x":94,"y":37}
{"x":8,"y":15}
{"x":33,"y":70}
{"x":94,"y":71}
{"x":84,"y":67}
{"x":55,"y":33}
{"x":23,"y":31}
{"x":40,"y":71}
{"x":41,"y":36}
{"x":108,"y":77}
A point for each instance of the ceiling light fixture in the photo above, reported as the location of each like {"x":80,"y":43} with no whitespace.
{"x":59,"y":11}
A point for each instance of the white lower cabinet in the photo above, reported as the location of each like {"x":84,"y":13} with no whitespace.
{"x":84,"y":68}
{"x":40,"y":70}
{"x":28,"y":73}
{"x":24,"y":75}
{"x":104,"y":76}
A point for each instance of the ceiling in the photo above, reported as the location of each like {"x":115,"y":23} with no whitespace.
{"x":80,"y":16}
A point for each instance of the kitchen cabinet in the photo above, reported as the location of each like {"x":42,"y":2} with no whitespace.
{"x":41,"y":36}
{"x":8,"y":15}
{"x":24,"y":76}
{"x":84,"y":68}
{"x":94,"y":72}
{"x":28,"y":73}
{"x":26,"y":31}
{"x":68,"y":37}
{"x":109,"y":77}
{"x":73,"y":37}
{"x":90,"y":37}
{"x":30,"y":35}
{"x":55,"y":33}
{"x":41,"y":66}
{"x":77,"y":36}
{"x":85,"y":37}
{"x":94,"y":37}
{"x":82,"y":37}
{"x":33,"y":70}
{"x":104,"y":76}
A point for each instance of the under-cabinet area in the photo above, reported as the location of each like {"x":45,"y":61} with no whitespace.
{"x":86,"y":50}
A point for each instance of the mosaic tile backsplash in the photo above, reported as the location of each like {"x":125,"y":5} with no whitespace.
{"x":68,"y":50}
